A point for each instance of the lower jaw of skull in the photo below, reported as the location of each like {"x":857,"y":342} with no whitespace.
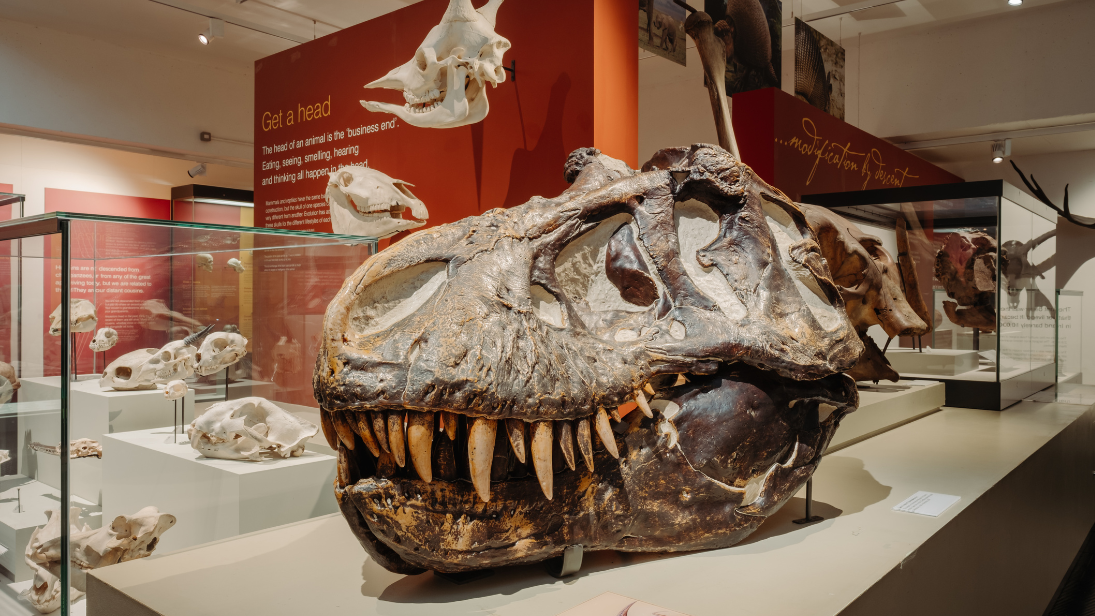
{"x":650,"y":499}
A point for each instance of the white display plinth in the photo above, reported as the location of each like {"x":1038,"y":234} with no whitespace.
{"x":886,"y":406}
{"x":93,"y":413}
{"x":211,"y":499}
{"x":16,"y":524}
{"x":940,"y":362}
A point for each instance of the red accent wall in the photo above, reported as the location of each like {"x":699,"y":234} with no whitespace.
{"x":105,"y":204}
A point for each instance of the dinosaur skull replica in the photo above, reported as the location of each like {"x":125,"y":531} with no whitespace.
{"x":966,"y":265}
{"x":204,"y":261}
{"x":81,"y":318}
{"x":495,"y":349}
{"x":218,"y":351}
{"x":236,"y":265}
{"x":174,"y":390}
{"x":367,"y":202}
{"x":104,"y":339}
{"x":126,"y":538}
{"x":249,"y":429}
{"x":444,"y":84}
{"x":871,"y":284}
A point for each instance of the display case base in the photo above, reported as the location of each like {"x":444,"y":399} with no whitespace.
{"x":863,"y":559}
{"x":211,"y":498}
{"x":885,"y":406}
{"x":932,"y":362}
{"x":18,"y":522}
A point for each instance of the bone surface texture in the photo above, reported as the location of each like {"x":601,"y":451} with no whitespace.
{"x":174,"y":390}
{"x":501,"y":354}
{"x":104,"y":340}
{"x":249,"y":429}
{"x":218,"y":351}
{"x":81,"y":318}
{"x":366,"y":202}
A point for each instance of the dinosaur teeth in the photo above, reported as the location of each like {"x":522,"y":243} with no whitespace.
{"x":360,"y":423}
{"x":604,"y":431}
{"x":541,"y":455}
{"x":396,"y":440}
{"x":481,"y":437}
{"x":343,"y":429}
{"x":515,"y":428}
{"x":420,"y":442}
{"x":585,"y":443}
{"x":565,"y":435}
{"x":644,"y":406}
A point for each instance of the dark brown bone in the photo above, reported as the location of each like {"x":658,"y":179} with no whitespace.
{"x":627,"y":270}
{"x":966,"y":267}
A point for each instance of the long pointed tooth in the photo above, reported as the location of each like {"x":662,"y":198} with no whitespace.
{"x":385,"y":465}
{"x":344,"y":430}
{"x":604,"y":430}
{"x":420,"y":442}
{"x":450,"y":424}
{"x":541,"y":455}
{"x":565,"y":435}
{"x":481,"y":437}
{"x":380,"y":429}
{"x":644,"y":406}
{"x":516,"y":430}
{"x":648,"y":389}
{"x":327,"y":422}
{"x":396,"y":439}
{"x":347,"y":467}
{"x":585,"y":443}
{"x":360,"y":422}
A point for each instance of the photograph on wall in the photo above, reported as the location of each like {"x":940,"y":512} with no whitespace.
{"x":661,"y":30}
{"x":753,"y":32}
{"x":819,"y":70}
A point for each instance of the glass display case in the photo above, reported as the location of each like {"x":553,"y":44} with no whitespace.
{"x":983,"y":255}
{"x":156,"y":376}
{"x":1070,"y":336}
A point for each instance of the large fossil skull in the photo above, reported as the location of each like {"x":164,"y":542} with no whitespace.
{"x":367,"y":202}
{"x":218,"y":351}
{"x":871,"y":284}
{"x":249,"y":429}
{"x":104,"y":339}
{"x":81,"y":318}
{"x":444,"y":84}
{"x":126,"y":538}
{"x":465,"y":370}
{"x":966,"y":266}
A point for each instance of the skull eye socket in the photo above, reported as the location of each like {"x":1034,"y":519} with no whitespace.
{"x":345,"y":179}
{"x":627,"y":270}
{"x":394,"y":297}
{"x":582,"y":269}
{"x":123,"y":372}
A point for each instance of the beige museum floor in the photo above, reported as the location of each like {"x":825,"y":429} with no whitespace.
{"x":1026,"y":505}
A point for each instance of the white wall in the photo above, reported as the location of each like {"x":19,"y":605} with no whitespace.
{"x":76,"y":85}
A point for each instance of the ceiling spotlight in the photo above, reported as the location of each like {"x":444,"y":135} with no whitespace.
{"x":215,"y":30}
{"x":1015,"y":2}
{"x":197,"y":170}
{"x":1000,"y":149}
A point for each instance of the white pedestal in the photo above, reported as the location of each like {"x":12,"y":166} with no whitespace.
{"x":939,"y":362}
{"x":886,"y":406}
{"x":93,"y":413}
{"x":16,"y":524}
{"x":212,"y":499}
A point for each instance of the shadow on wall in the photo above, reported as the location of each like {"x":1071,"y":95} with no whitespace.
{"x":1080,"y":250}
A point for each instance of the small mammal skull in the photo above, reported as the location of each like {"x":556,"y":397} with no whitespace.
{"x":8,"y":383}
{"x":444,"y":84}
{"x":175,"y":389}
{"x":204,"y":261}
{"x":104,"y":339}
{"x":218,"y":351}
{"x":128,"y":537}
{"x":249,"y":429}
{"x":81,"y":318}
{"x":367,"y":202}
{"x":236,"y":265}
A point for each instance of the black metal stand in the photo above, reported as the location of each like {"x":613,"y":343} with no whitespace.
{"x":466,"y":577}
{"x":976,"y":339}
{"x":809,"y":519}
{"x":75,"y":367}
{"x":512,"y":70}
{"x":175,"y":422}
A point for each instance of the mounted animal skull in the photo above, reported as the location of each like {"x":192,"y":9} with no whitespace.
{"x":81,"y":318}
{"x":236,"y":265}
{"x":218,"y":351}
{"x":966,"y":265}
{"x":249,"y":429}
{"x":174,"y":390}
{"x":871,"y":284}
{"x":80,"y":448}
{"x":204,"y":261}
{"x":444,"y":84}
{"x":145,"y":368}
{"x":104,"y":340}
{"x":366,"y":202}
{"x":693,"y":290}
{"x":126,"y":538}
{"x":9,"y":383}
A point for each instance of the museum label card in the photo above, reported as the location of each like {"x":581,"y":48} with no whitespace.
{"x":926,"y":503}
{"x":611,"y":604}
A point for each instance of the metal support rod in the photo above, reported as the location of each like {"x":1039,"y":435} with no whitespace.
{"x":75,"y":362}
{"x":66,"y":358}
{"x":809,"y":502}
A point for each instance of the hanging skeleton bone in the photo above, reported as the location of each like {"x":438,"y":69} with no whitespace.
{"x":366,"y":202}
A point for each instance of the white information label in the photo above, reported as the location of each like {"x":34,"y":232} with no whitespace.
{"x":927,"y":503}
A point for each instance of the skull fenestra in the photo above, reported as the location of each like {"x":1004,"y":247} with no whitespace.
{"x":145,"y":368}
{"x":476,"y":371}
{"x":367,"y":202}
{"x":444,"y":84}
{"x":249,"y":429}
{"x":81,"y":318}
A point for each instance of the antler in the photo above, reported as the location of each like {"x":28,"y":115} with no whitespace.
{"x":1041,"y":196}
{"x":196,"y":336}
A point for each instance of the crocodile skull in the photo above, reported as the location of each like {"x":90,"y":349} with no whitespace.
{"x":218,"y":351}
{"x":81,"y":318}
{"x":444,"y":84}
{"x":366,"y":202}
{"x":104,"y":339}
{"x":466,"y":371}
{"x":249,"y":429}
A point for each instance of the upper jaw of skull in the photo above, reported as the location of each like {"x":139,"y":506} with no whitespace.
{"x":367,"y":202}
{"x":444,"y":84}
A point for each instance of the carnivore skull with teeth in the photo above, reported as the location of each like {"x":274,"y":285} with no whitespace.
{"x":472,"y":372}
{"x":249,"y":429}
{"x":218,"y":351}
{"x":367,"y":202}
{"x":104,"y":340}
{"x":444,"y":84}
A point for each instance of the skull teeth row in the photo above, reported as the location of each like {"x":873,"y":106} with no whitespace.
{"x":419,"y":99}
{"x":391,"y":435}
{"x":421,"y":108}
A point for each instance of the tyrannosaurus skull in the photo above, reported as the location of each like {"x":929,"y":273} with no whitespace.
{"x":468,"y":373}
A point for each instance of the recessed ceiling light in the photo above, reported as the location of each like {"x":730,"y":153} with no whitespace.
{"x":1015,"y":2}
